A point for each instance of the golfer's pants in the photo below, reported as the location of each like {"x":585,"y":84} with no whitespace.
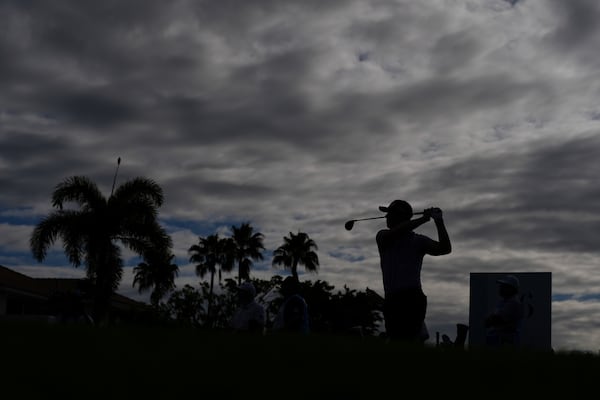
{"x":404,"y":313}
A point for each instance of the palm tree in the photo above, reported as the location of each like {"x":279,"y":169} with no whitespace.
{"x":156,"y":272}
{"x":212,"y":252}
{"x":297,"y":249}
{"x":95,"y":229}
{"x":248,"y":248}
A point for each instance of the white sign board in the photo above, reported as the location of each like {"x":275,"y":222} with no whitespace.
{"x":535,"y":293}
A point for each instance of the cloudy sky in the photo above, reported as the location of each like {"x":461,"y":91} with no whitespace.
{"x":297,"y":116}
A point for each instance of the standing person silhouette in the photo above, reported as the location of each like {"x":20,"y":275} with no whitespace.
{"x":250,"y":316}
{"x":504,"y":323}
{"x":293,"y":313}
{"x":401,"y":253}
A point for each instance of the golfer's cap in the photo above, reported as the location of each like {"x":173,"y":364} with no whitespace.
{"x":509,"y":280}
{"x":397,"y":206}
{"x":247,"y":287}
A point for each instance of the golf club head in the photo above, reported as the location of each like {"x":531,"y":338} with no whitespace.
{"x":349,"y":225}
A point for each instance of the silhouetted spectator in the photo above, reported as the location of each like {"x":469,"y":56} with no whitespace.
{"x":250,"y":315}
{"x":401,"y":254}
{"x":293,"y":313}
{"x":504,"y":323}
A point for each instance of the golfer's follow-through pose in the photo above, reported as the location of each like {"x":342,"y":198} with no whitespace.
{"x":401,"y":252}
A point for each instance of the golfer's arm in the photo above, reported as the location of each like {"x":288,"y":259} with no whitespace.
{"x":408,"y":225}
{"x":444,"y":247}
{"x":403,"y":228}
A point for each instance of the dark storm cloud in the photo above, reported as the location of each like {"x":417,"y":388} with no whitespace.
{"x":231,"y":16}
{"x":222,"y":189}
{"x":579,"y":23}
{"x":97,"y":35}
{"x":50,"y":45}
{"x":268,"y":96}
{"x":75,"y":27}
{"x":265,"y":98}
{"x":448,"y":98}
{"x":452,"y":52}
{"x":91,"y":108}
{"x":33,"y":157}
{"x":96,"y":42}
{"x":542,"y":197}
{"x":577,"y":35}
{"x":21,"y":149}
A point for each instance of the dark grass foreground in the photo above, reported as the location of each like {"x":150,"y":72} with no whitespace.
{"x":58,"y":361}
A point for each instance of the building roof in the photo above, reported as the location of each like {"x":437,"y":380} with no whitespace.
{"x":10,"y":279}
{"x":15,"y":281}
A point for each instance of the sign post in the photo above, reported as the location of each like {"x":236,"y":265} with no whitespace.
{"x":535,"y":293}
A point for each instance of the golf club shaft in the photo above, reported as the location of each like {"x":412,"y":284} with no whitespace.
{"x":383,"y":216}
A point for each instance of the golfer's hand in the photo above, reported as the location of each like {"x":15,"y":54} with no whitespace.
{"x":435,"y":213}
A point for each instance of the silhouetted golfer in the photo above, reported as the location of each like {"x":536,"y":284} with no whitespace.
{"x":401,"y":253}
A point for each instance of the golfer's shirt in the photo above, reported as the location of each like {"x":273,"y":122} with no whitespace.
{"x":401,"y":261}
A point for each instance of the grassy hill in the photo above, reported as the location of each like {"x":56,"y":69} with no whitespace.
{"x":58,"y":361}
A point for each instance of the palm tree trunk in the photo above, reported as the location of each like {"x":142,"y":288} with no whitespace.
{"x":295,"y":268}
{"x":209,"y":311}
{"x":102,"y":293}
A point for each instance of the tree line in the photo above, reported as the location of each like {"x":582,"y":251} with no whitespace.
{"x":342,"y":312}
{"x":93,"y":229}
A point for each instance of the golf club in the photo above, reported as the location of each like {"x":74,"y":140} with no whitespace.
{"x":350,"y":224}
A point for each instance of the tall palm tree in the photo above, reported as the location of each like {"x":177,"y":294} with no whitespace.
{"x":95,"y":228}
{"x":248,"y":248}
{"x":212,"y":252}
{"x":297,"y":249}
{"x":156,"y":272}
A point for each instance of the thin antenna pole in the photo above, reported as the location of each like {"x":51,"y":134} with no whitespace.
{"x":115,"y":178}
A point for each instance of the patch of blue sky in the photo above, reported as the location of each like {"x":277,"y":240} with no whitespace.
{"x":13,"y":258}
{"x":589,"y":297}
{"x":346,"y":256}
{"x":26,"y":216}
{"x":562,"y":297}
{"x":266,"y":263}
{"x":187,"y":273}
{"x":56,"y":257}
{"x":19,"y":216}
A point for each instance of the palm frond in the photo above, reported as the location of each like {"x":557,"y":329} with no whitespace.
{"x":59,"y":224}
{"x":297,"y":249}
{"x":78,"y":189}
{"x":139,"y":189}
